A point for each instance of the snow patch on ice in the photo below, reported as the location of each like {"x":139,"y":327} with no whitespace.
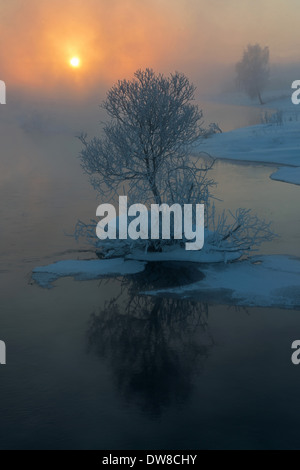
{"x":263,"y":143}
{"x":85,"y":270}
{"x":266,"y":281}
{"x":287,"y":175}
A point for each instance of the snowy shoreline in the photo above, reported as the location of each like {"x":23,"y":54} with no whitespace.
{"x":262,"y":281}
{"x":82,"y":270}
{"x":287,"y":175}
{"x":276,"y":143}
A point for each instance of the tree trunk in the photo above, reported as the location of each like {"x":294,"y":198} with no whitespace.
{"x":157,"y":195}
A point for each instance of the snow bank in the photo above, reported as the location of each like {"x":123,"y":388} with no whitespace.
{"x":85,"y":270}
{"x":263,"y":143}
{"x":267,"y":281}
{"x":287,"y":175}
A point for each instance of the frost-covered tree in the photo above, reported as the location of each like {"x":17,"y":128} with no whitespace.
{"x":253,"y":71}
{"x":147,"y":143}
{"x":145,"y":153}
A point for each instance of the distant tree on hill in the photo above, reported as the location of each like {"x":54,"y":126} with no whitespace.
{"x":253,"y":71}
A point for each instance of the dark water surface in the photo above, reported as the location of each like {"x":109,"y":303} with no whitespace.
{"x":95,"y":365}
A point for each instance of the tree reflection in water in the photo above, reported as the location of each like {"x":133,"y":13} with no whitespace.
{"x":155,"y":346}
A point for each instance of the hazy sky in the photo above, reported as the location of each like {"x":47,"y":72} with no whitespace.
{"x":113,"y":38}
{"x":48,"y":102}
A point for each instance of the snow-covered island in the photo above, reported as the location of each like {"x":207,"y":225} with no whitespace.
{"x":228,"y":271}
{"x":267,"y":281}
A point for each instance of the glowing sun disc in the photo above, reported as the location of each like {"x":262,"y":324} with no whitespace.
{"x":75,"y":62}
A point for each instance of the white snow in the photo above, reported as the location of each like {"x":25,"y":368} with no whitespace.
{"x":287,"y":175}
{"x":262,"y":143}
{"x":265,"y":143}
{"x":267,"y":281}
{"x":85,"y":270}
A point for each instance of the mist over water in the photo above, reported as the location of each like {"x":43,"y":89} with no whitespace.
{"x":99,"y":364}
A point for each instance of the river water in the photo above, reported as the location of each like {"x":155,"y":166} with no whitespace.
{"x":93,"y":365}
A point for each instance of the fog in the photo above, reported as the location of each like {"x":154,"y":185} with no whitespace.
{"x":113,"y":38}
{"x":116,"y":37}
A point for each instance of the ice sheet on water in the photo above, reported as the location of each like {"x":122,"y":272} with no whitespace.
{"x":85,"y":270}
{"x":288,"y":174}
{"x":265,"y":143}
{"x":265,"y":281}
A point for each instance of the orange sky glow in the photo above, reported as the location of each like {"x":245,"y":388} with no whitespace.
{"x":113,"y":38}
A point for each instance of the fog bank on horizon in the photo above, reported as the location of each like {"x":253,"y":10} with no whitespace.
{"x":113,"y":38}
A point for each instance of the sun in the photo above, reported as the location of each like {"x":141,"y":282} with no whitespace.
{"x":75,"y":62}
